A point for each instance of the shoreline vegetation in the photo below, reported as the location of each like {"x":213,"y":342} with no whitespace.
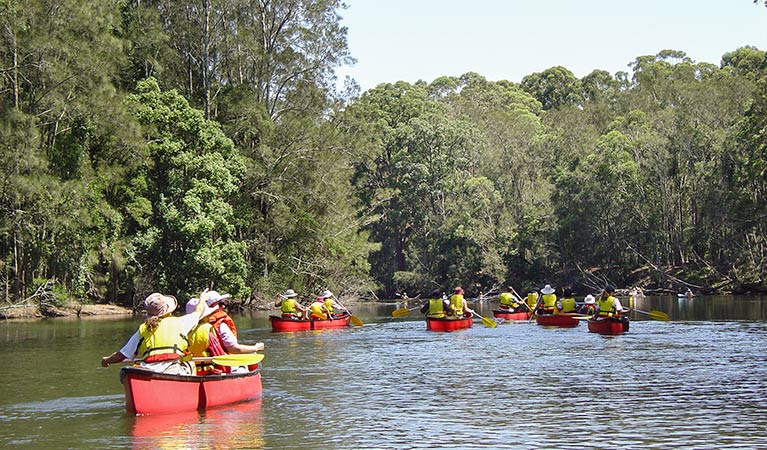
{"x":142,"y":153}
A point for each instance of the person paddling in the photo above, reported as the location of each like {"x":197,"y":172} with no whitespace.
{"x":319,"y":310}
{"x":609,"y":306}
{"x":216,"y":333}
{"x":458,"y":305}
{"x":567,"y":304}
{"x":548,"y":300}
{"x":289,"y":307}
{"x":160,"y":341}
{"x":589,"y":307}
{"x":437,"y":306}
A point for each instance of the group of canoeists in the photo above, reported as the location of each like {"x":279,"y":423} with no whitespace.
{"x":167,"y":344}
{"x":543,"y":302}
{"x":323,"y":307}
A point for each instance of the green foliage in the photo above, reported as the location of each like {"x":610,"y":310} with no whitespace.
{"x":249,"y":173}
{"x":195,"y":171}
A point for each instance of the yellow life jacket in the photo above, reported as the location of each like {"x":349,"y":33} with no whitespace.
{"x":166,"y":339}
{"x":316,"y":310}
{"x":568,"y":305}
{"x":505,"y":299}
{"x":288,"y":306}
{"x":606,"y":306}
{"x":436,"y":309}
{"x":532,"y":299}
{"x":549,"y":300}
{"x":199,"y":339}
{"x":456,"y":302}
{"x":329,"y":304}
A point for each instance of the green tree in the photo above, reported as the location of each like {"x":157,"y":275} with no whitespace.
{"x":185,"y":241}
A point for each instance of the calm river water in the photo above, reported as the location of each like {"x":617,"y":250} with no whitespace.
{"x":697,"y":381}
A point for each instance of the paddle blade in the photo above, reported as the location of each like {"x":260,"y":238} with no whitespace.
{"x":356,"y":321}
{"x":488,"y":322}
{"x":243,"y":359}
{"x":658,"y":315}
{"x":402,"y":312}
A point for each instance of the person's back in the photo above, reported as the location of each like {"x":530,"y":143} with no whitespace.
{"x":435,"y":307}
{"x":289,"y":307}
{"x":548,"y":300}
{"x":589,"y":306}
{"x":457,"y":303}
{"x":505,"y":301}
{"x":568,"y":302}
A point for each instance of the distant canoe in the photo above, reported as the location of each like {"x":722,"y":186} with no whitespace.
{"x":608,"y":325}
{"x":284,"y":324}
{"x":557,"y":320}
{"x":500,"y":314}
{"x":448,"y":324}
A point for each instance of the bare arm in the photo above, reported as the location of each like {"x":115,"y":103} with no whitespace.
{"x":245,"y":348}
{"x":115,"y":357}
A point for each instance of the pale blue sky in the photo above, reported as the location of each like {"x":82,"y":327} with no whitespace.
{"x":424,"y":39}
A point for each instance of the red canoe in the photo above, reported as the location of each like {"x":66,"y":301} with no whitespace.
{"x":448,"y":324}
{"x":523,"y":315}
{"x":557,"y":320}
{"x":286,"y":324}
{"x":148,"y":392}
{"x":609,"y":326}
{"x":341,"y":321}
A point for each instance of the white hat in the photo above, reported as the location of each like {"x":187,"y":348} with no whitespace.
{"x":289,"y":293}
{"x":326,"y":294}
{"x":191,"y":305}
{"x":214,"y":298}
{"x":547,"y":290}
{"x":589,"y":300}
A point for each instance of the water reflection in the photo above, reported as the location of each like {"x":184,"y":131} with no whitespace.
{"x":235,"y":426}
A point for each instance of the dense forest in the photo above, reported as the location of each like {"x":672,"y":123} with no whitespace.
{"x":172,"y":145}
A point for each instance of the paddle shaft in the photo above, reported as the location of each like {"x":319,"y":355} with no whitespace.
{"x":354,"y":319}
{"x":537,"y":302}
{"x":235,"y":359}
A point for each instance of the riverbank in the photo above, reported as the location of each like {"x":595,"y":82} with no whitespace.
{"x":13,"y":312}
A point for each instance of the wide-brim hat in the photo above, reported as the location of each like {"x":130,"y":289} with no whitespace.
{"x":215,"y":298}
{"x":191,"y":305}
{"x":589,"y":300}
{"x":547,"y":290}
{"x":159,"y":305}
{"x":289,"y":293}
{"x":326,"y":294}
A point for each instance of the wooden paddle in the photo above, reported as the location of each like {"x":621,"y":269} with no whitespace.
{"x":355,"y":320}
{"x":487,"y":321}
{"x":654,"y":315}
{"x":402,"y":312}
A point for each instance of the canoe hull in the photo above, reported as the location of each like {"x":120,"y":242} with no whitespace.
{"x":148,"y":392}
{"x":556,"y":320}
{"x":524,"y":315}
{"x":448,"y":324}
{"x":284,"y":324}
{"x":608,"y":326}
{"x":340,"y":322}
